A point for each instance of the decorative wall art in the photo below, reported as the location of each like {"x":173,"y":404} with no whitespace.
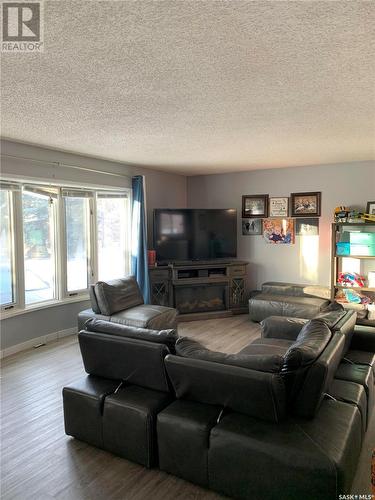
{"x":279,"y":231}
{"x":307,"y":227}
{"x":305,"y":204}
{"x":279,"y":207}
{"x":370,"y":209}
{"x":255,"y":206}
{"x":251,"y":227}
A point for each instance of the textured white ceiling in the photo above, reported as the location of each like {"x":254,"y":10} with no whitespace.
{"x":199,"y":86}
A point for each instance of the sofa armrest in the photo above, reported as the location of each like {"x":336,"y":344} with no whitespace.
{"x":282,"y":327}
{"x":87,"y":314}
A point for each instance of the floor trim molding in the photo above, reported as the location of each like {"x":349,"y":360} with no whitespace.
{"x":44,"y":339}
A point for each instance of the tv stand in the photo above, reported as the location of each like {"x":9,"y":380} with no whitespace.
{"x":201,"y":289}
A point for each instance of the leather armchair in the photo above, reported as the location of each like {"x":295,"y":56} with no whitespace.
{"x":120,"y":301}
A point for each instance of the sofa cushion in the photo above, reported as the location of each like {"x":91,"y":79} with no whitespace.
{"x":296,"y":290}
{"x":282,"y":327}
{"x":263,"y":305}
{"x":147,"y":316}
{"x":332,"y":314}
{"x":133,"y":361}
{"x":129,"y":423}
{"x":190,"y":348}
{"x":167,"y":337}
{"x":83,"y":408}
{"x":267,"y":347}
{"x":361,"y":358}
{"x":350,"y":392}
{"x":359,"y":374}
{"x":183,"y":433}
{"x":309,"y":344}
{"x":253,"y":392}
{"x":293,"y":460}
{"x":117,"y":295}
{"x":309,"y":302}
{"x":363,"y":340}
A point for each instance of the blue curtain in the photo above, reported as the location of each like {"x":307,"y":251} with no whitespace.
{"x":139,"y":238}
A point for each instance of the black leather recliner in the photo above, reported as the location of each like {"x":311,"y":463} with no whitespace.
{"x":121,"y":301}
{"x":115,"y":406}
{"x":277,"y":420}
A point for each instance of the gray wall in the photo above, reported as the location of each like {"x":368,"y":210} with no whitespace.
{"x":350,"y":184}
{"x":162,"y":190}
{"x":308,"y":261}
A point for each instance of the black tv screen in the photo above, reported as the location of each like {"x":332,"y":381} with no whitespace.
{"x":195,"y":234}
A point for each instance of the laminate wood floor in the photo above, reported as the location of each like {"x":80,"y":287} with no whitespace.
{"x":38,"y":461}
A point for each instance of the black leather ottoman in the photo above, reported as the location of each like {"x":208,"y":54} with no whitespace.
{"x":309,"y":459}
{"x":83,"y":407}
{"x":183,"y":430}
{"x":129,"y":423}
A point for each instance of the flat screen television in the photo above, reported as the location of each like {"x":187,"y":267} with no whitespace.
{"x":195,"y":234}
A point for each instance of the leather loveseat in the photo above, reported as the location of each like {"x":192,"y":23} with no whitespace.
{"x":288,"y":299}
{"x":121,"y":301}
{"x":276,"y":421}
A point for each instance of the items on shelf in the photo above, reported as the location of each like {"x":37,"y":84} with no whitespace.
{"x":352,"y":299}
{"x":351,"y":279}
{"x":349,"y":295}
{"x":356,"y":243}
{"x":353,"y":263}
{"x":346,"y":214}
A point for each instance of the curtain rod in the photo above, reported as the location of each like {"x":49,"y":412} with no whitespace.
{"x":59,"y":164}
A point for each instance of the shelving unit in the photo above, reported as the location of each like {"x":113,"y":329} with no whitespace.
{"x":342,"y":234}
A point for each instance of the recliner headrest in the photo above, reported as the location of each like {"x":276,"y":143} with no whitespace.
{"x":166,"y":337}
{"x":310,"y":343}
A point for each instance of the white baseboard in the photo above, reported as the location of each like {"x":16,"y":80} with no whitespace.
{"x":44,"y":339}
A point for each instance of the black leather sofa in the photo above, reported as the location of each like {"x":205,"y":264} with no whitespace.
{"x":284,"y":418}
{"x":288,"y":299}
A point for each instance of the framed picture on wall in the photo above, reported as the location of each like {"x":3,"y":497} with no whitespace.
{"x":370,"y":209}
{"x":306,"y":204}
{"x":255,"y":206}
{"x":307,"y":226}
{"x":278,"y":207}
{"x":279,"y":231}
{"x":251,"y":227}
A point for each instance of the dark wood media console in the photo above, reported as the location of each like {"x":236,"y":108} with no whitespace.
{"x":201,"y":290}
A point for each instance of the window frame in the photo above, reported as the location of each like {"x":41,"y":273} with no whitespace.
{"x":13,"y":190}
{"x":54,"y":193}
{"x":62,"y":296}
{"x":64,"y":249}
{"x":116,"y":194}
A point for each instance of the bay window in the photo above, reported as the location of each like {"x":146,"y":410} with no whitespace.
{"x":55,"y":241}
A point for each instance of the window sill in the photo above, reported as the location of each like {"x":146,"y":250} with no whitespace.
{"x":44,"y":305}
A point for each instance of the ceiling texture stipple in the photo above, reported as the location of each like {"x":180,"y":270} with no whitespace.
{"x":198,"y":87}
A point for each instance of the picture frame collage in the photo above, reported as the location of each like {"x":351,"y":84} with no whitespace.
{"x":280,"y":218}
